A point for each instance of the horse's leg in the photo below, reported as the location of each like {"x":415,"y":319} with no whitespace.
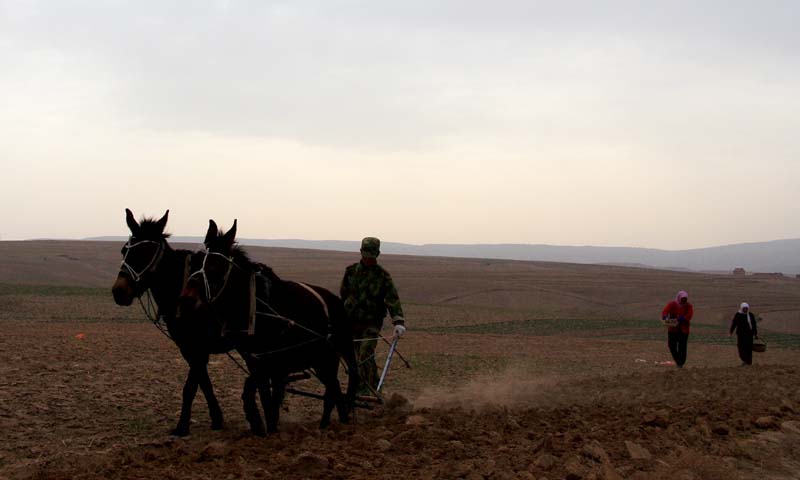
{"x":273,"y":413}
{"x":333,"y":392}
{"x":189,"y":391}
{"x":208,"y":391}
{"x":353,"y":378}
{"x":331,"y":399}
{"x":343,"y":342}
{"x":264,"y":395}
{"x":250,"y":406}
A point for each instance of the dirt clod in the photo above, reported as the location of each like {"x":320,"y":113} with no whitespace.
{"x":595,"y":451}
{"x":658,"y":418}
{"x":721,"y":429}
{"x":212,"y":451}
{"x":308,"y":462}
{"x":767,"y":422}
{"x":417,"y":420}
{"x":636,"y":451}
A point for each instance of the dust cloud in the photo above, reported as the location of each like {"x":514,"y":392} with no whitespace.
{"x":509,"y":388}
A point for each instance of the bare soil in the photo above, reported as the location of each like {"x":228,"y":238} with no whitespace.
{"x":519,"y":370}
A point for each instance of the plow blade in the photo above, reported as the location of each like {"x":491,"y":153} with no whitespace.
{"x":303,"y":393}
{"x":296,"y":377}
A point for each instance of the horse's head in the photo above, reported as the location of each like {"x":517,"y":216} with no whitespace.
{"x":141,"y":256}
{"x":214,"y":271}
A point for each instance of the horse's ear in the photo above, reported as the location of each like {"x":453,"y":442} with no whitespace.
{"x":132,"y":224}
{"x":162,"y":223}
{"x":211,"y":234}
{"x":230,"y":235}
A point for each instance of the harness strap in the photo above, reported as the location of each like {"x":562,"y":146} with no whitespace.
{"x":251,"y":327}
{"x":318,"y":297}
{"x":186,"y":266}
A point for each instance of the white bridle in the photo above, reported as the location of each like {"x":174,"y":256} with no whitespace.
{"x":206,"y":284}
{"x":151,"y":266}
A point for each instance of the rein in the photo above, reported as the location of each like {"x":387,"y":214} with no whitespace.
{"x":289,"y":321}
{"x":160,"y":323}
{"x":150,"y":308}
{"x":272,"y":313}
{"x":151,"y":312}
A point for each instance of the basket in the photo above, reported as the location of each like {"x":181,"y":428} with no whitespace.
{"x":759,"y":345}
{"x":670,"y":322}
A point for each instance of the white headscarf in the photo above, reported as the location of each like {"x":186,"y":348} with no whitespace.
{"x":741,"y":310}
{"x":743,"y":306}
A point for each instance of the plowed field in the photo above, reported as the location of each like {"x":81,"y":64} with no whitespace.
{"x":530,"y":375}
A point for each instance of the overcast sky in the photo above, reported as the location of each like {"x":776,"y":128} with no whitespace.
{"x":667,"y":124}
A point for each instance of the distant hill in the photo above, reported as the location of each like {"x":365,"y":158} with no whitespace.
{"x":775,"y":256}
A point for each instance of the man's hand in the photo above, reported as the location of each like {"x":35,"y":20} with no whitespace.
{"x":399,"y":330}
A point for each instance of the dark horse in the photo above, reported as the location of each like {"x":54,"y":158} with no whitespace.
{"x":150,"y":263}
{"x":279,"y":327}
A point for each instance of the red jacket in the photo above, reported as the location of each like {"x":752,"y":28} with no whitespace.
{"x":683,"y":313}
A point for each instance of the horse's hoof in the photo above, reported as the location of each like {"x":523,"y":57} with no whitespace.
{"x":180,"y":432}
{"x":258,"y":430}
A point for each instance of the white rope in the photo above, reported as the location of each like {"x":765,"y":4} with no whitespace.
{"x":206,"y":283}
{"x":211,"y":298}
{"x":318,"y":297}
{"x":279,"y":350}
{"x":151,"y":312}
{"x":136,"y":276}
{"x":291,"y":322}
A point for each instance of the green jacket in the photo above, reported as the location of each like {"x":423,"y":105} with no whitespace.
{"x":368,"y":293}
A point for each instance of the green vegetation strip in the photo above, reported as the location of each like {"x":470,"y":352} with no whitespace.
{"x":713,"y":337}
{"x":455,"y":367}
{"x":52,"y":290}
{"x":541,"y":327}
{"x":623,"y":329}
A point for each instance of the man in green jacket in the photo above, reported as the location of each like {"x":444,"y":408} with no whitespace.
{"x":368,"y":294}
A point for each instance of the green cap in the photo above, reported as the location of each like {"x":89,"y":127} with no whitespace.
{"x":370,"y":247}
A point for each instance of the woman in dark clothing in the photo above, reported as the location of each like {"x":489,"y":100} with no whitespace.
{"x":744,"y":324}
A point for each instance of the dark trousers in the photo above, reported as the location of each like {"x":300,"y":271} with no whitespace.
{"x":745,"y":345}
{"x":677,"y":346}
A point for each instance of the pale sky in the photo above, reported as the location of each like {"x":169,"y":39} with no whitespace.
{"x":666,"y":124}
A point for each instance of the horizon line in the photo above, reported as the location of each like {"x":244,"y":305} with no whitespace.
{"x":500,"y":244}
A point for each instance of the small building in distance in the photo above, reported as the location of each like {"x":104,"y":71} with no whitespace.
{"x":769,"y":275}
{"x":739,"y":271}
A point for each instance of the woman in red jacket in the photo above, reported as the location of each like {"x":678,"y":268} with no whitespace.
{"x":678,"y":335}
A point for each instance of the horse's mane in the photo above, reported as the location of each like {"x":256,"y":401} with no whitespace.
{"x":150,"y":230}
{"x":267,"y":271}
{"x":241,"y":258}
{"x":238,"y":254}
